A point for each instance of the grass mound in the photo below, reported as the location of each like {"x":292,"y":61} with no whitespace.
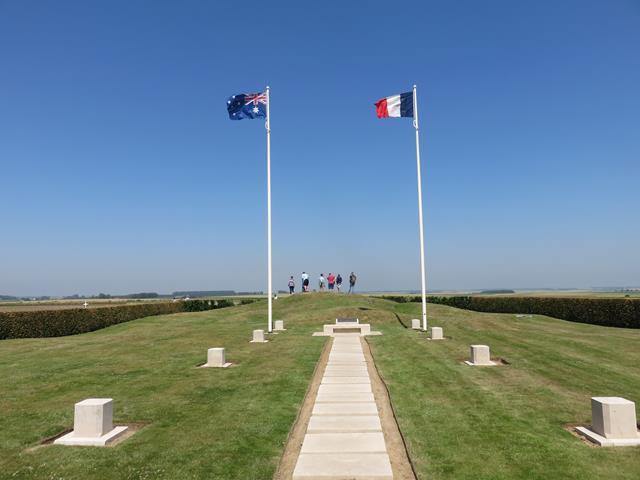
{"x":459,"y":422}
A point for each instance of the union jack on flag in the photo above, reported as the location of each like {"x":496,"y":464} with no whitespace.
{"x":247,"y":105}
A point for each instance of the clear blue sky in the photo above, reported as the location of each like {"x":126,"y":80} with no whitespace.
{"x":121,"y":172}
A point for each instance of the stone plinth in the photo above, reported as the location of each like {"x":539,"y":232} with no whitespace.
{"x":415,"y":324}
{"x":613,"y":422}
{"x":258,"y":337}
{"x":279,"y":326}
{"x":436,"y":333}
{"x":92,"y":424}
{"x":216,"y":358}
{"x":480,"y":356}
{"x":359,"y":328}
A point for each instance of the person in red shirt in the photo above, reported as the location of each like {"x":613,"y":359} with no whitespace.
{"x":331,"y":280}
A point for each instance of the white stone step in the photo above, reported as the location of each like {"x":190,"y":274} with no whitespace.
{"x":344,"y":397}
{"x":346,"y":388}
{"x":348,"y":372}
{"x":356,"y":357}
{"x":370,"y":442}
{"x":345,"y":408}
{"x":337,"y":380}
{"x":341,"y":423}
{"x":343,"y":466}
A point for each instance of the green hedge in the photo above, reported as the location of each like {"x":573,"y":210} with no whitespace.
{"x":57,"y":323}
{"x":610,"y":312}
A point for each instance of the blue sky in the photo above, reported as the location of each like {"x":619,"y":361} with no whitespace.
{"x":121,"y":172}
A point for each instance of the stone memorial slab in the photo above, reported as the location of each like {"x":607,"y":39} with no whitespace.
{"x":613,"y":422}
{"x":480,"y":356}
{"x":258,"y":337}
{"x":216,"y":358}
{"x":436,"y":333}
{"x":92,"y":424}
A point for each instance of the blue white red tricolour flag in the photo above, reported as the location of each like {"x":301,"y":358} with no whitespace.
{"x":395,"y":106}
{"x":247,"y":105}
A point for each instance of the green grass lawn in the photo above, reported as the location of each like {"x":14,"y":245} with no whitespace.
{"x":459,"y":422}
{"x":506,"y":422}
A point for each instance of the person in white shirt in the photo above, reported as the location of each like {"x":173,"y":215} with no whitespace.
{"x":305,"y":281}
{"x":321,"y":282}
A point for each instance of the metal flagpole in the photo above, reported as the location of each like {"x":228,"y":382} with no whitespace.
{"x":269,"y":287}
{"x":422,"y":270}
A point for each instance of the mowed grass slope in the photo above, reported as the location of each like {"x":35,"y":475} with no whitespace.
{"x":202,"y":423}
{"x":506,"y":422}
{"x":459,"y":422}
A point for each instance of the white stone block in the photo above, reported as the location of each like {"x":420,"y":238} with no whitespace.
{"x":344,"y":442}
{"x":279,"y":325}
{"x":345,"y":408}
{"x":216,"y":358}
{"x":92,"y":424}
{"x":371,"y":466}
{"x":480,"y":356}
{"x":415,"y":324}
{"x":344,"y":423}
{"x":93,"y":417}
{"x":614,"y":417}
{"x":258,"y":336}
{"x":613,"y":422}
{"x":436,"y":333}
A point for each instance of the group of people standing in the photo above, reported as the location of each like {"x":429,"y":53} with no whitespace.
{"x":332,"y":282}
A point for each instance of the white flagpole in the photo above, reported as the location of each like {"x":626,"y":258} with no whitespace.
{"x":269,"y":286}
{"x":422,"y":270}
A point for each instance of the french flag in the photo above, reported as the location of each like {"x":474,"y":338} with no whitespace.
{"x":395,"y":106}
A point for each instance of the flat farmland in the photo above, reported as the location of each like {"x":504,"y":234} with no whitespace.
{"x":39,"y":306}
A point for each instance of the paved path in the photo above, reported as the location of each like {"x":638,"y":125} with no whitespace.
{"x":344,"y":437}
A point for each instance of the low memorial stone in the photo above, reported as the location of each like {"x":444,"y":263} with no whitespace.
{"x":436,"y":333}
{"x":480,"y":356}
{"x":279,"y":326}
{"x":415,"y":324}
{"x":613,"y":422}
{"x":258,"y":337}
{"x":216,"y":358}
{"x":92,"y":424}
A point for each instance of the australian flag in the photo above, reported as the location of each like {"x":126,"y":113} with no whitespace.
{"x":247,"y":105}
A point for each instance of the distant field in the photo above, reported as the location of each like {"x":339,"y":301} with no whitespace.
{"x":66,"y":304}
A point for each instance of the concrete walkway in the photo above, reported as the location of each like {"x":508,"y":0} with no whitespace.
{"x":344,"y":438}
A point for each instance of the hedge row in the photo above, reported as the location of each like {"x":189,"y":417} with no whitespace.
{"x":610,"y":312}
{"x":57,"y":323}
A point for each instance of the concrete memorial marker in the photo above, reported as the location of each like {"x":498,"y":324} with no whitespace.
{"x":436,"y":333}
{"x":215,"y":358}
{"x":613,"y":422}
{"x":258,"y":337}
{"x":415,"y":324}
{"x":92,"y":424}
{"x":480,"y":356}
{"x":279,"y":326}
